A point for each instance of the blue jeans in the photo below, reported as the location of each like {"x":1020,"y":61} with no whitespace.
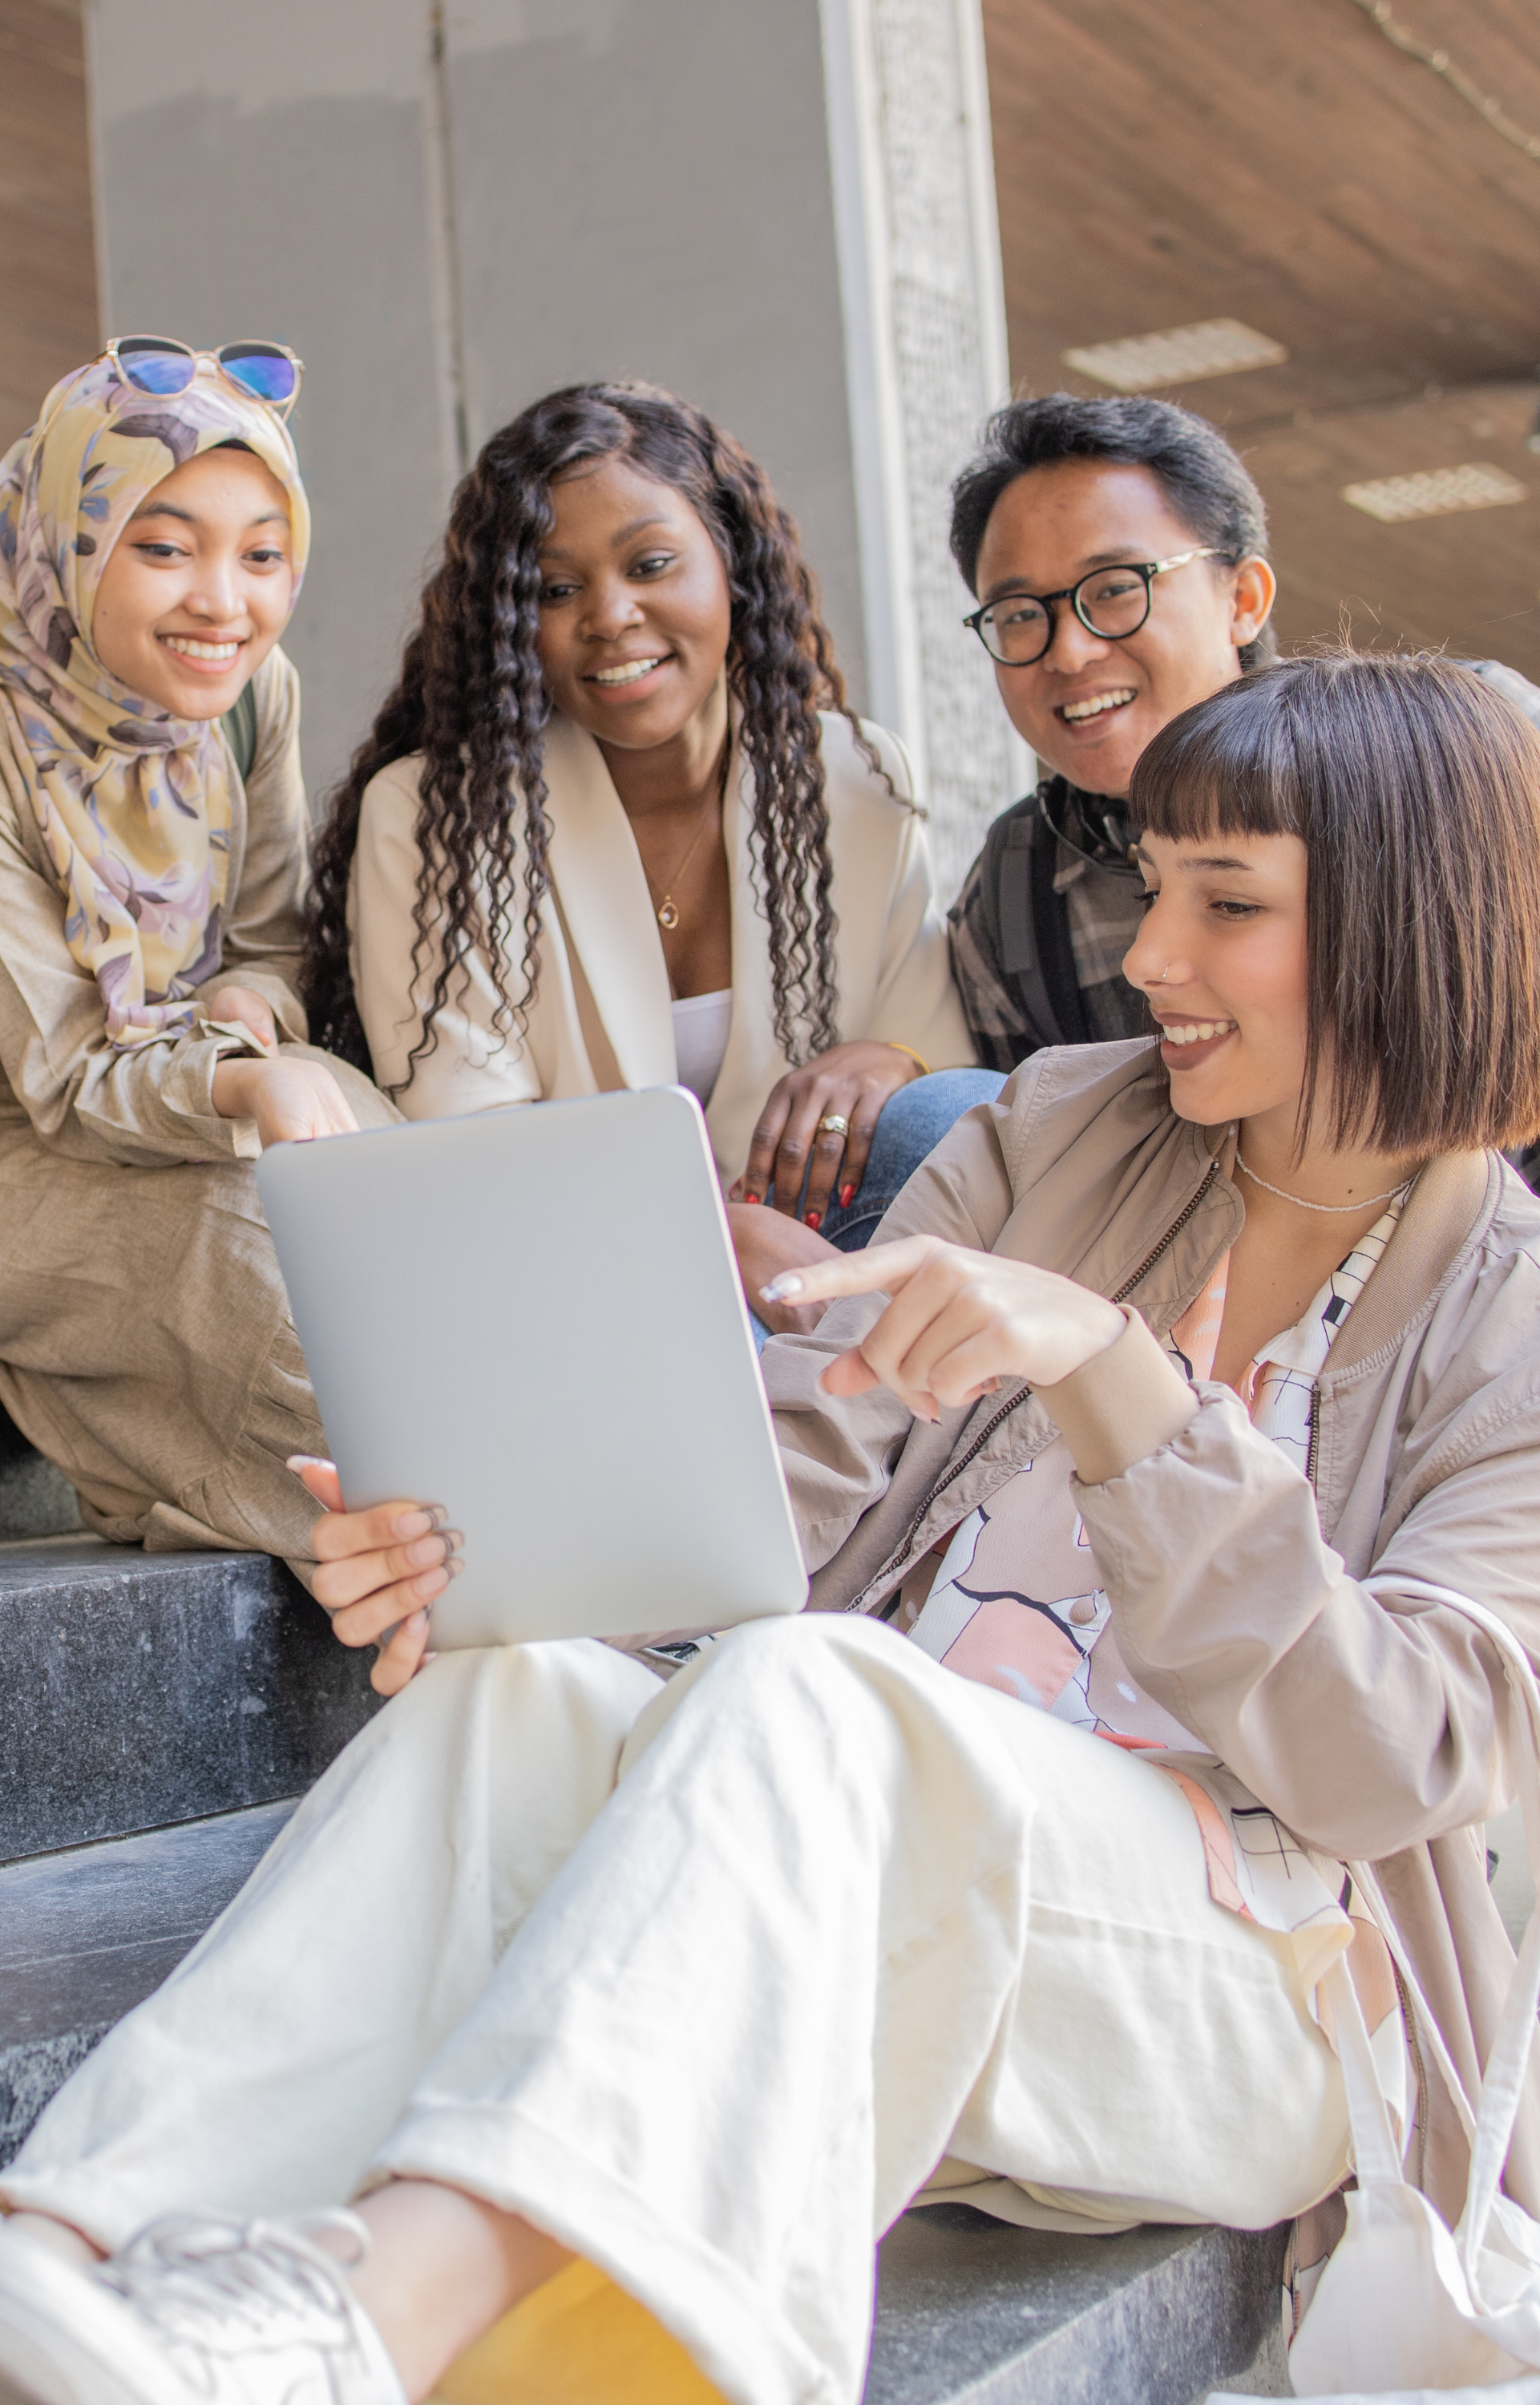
{"x":913,"y":1121}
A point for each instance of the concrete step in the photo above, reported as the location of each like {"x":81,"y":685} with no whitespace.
{"x":87,"y":1934}
{"x":144,"y":1689}
{"x":972,"y":2311}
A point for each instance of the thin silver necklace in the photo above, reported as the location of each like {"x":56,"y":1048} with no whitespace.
{"x":1336,"y":1210}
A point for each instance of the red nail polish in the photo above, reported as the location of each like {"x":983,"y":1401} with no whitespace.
{"x":751,"y":1198}
{"x":813,"y":1218}
{"x":847,"y":1196}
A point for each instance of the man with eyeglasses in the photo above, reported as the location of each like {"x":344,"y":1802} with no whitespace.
{"x":1118,"y":551}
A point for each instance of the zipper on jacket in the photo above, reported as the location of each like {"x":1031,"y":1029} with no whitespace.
{"x":1167,"y":1242}
{"x":954,"y":1469}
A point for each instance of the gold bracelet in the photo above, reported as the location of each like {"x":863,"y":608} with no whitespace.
{"x":923,"y":1066}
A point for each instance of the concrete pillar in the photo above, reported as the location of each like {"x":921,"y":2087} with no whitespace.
{"x":781,"y":208}
{"x":926,"y":350}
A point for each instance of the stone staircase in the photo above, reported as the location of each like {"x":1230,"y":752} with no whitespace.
{"x":158,"y":1714}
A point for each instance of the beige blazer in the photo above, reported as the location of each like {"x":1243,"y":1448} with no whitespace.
{"x":602,"y":1018}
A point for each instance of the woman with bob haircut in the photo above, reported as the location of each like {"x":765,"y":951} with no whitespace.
{"x":1130,"y":1463}
{"x":617,"y":825}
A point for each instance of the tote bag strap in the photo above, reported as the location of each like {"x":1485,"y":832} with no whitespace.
{"x":1502,"y":2084}
{"x":1367,"y":1884}
{"x":1377,"y":2157}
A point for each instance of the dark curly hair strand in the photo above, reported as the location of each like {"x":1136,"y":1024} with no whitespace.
{"x":472,"y":702}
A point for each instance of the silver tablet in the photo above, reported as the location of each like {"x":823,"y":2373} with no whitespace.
{"x":533,"y":1317}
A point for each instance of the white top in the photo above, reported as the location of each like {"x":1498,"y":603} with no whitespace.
{"x":600,"y":1019}
{"x":701,"y":1023}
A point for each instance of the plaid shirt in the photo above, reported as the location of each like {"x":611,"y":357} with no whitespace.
{"x":1009,"y":990}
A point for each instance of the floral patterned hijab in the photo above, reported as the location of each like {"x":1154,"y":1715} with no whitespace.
{"x":134,"y":805}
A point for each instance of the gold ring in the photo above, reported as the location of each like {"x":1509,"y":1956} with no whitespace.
{"x":835,"y":1124}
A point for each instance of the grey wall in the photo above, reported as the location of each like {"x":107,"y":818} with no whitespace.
{"x":627,"y":187}
{"x":259,"y":174}
{"x":642,"y":187}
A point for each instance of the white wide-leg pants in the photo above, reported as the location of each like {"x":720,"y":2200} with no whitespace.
{"x":706,"y":1978}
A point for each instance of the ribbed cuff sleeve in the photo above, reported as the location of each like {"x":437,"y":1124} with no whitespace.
{"x":1124,"y":1404}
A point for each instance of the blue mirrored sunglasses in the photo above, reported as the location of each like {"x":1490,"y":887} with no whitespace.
{"x":265,"y":371}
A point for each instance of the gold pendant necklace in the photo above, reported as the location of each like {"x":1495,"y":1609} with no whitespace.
{"x":668,"y":910}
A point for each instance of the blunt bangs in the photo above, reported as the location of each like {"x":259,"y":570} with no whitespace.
{"x":1415,"y":789}
{"x":1215,"y":771}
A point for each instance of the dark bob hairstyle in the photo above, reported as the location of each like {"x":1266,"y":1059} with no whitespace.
{"x":1207,"y":487}
{"x":1415,"y":789}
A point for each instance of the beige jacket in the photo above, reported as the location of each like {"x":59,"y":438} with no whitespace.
{"x":153,"y":1105}
{"x":600,"y":1020}
{"x":1376,"y":1726}
{"x":146,"y":1346}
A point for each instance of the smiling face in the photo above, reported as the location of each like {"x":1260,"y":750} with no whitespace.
{"x":198,"y":586}
{"x":1221,"y":956}
{"x":1089,"y":705}
{"x":635,"y":613}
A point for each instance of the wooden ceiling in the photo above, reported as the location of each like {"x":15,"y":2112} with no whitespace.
{"x":1275,"y":160}
{"x":47,"y":256}
{"x":1286,"y":166}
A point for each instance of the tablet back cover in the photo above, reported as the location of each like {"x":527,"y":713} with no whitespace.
{"x":532,"y":1317}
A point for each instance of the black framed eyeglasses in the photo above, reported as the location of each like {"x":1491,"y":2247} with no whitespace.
{"x":1112,"y":602}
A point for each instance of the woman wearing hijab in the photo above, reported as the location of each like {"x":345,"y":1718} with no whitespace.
{"x":153,"y":534}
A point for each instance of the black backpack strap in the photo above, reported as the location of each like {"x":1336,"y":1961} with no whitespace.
{"x":1051,"y":927}
{"x":240,"y":728}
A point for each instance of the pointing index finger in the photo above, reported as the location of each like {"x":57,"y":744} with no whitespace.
{"x":881,"y":1268}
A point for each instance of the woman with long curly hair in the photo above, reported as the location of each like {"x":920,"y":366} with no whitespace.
{"x":616,"y":826}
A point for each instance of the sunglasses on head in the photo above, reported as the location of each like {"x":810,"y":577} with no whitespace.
{"x":265,"y":371}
